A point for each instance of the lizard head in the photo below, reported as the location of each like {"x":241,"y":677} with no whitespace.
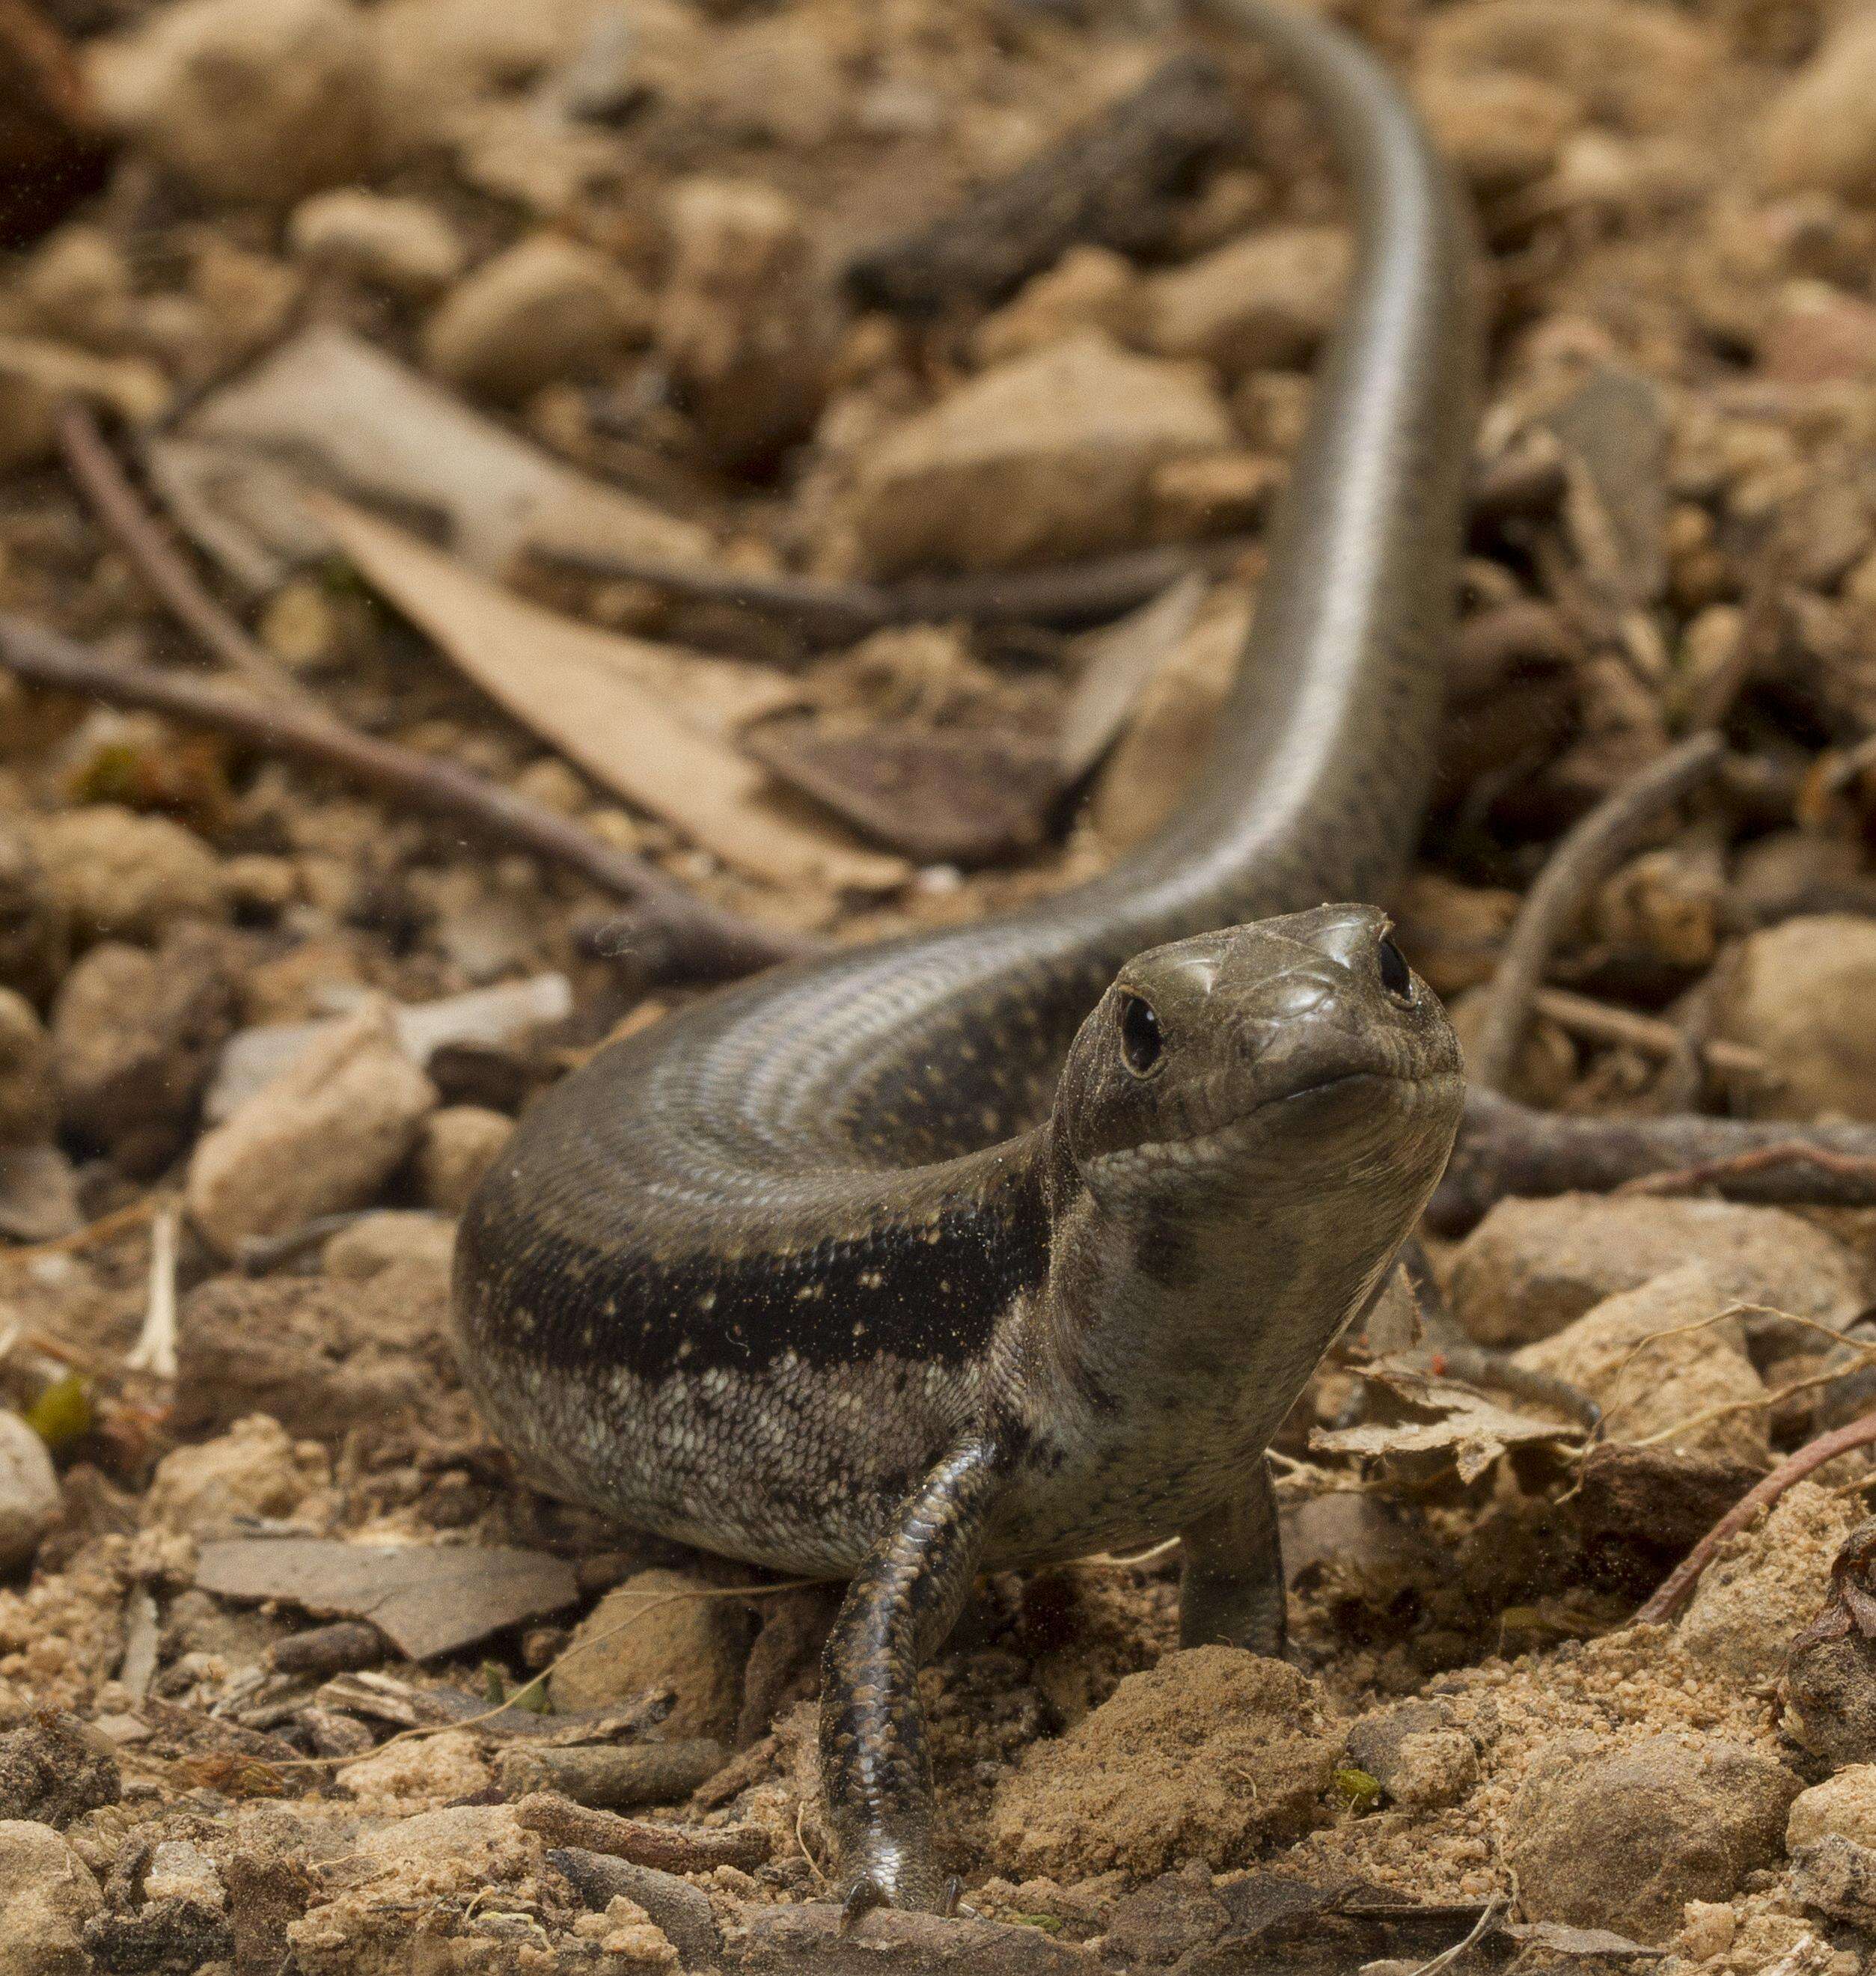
{"x":1258,"y":1115}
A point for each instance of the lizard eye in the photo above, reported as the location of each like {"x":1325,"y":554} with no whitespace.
{"x":1141,"y":1042}
{"x":1396,"y":976}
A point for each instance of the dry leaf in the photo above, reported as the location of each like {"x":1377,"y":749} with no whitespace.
{"x":647,"y":721}
{"x":1117,"y":661}
{"x":1452,"y":1415}
{"x":425,"y":1599}
{"x":331,"y":406}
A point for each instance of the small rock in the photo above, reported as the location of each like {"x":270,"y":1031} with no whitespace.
{"x":544,"y":309}
{"x":1765,"y":1584}
{"x":661,"y":1636}
{"x":1624,"y":1839}
{"x":78,"y":286}
{"x":1830,"y":1687}
{"x":1414,"y":1753}
{"x":745,"y":323}
{"x":181,"y":1870}
{"x":1090,"y":288}
{"x":318,"y":1356}
{"x":29,"y":1497}
{"x":628,"y":1936}
{"x":1844,"y":1804}
{"x":450,"y":1765}
{"x":1263,"y":303}
{"x":1638,"y":1355}
{"x":246,"y":99}
{"x":135,"y":1035}
{"x":255,"y":1469}
{"x":681,"y":1910}
{"x":460,"y":1144}
{"x":121,"y":876}
{"x":1837,"y":1877}
{"x":1819,"y":336}
{"x":34,"y":928}
{"x":1626,"y":62}
{"x":1532,"y":1267}
{"x":46,"y":1898}
{"x":27,"y":1108}
{"x":1218,"y":494}
{"x":1800,"y":993}
{"x":1050,"y":455}
{"x":398,"y":244}
{"x":1500,"y":130}
{"x":1818,"y":133}
{"x":1153,"y":1776}
{"x":401,"y":1240}
{"x":55,"y":1768}
{"x":324,"y":1136}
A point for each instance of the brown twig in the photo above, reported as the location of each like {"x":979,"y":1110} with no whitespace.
{"x":130,"y":524}
{"x":1672,"y":1593}
{"x":1580,"y":863}
{"x":670,"y":1848}
{"x":1858,"y":1170}
{"x":1063,"y":595}
{"x":674,"y":933}
{"x":1505,"y":1148}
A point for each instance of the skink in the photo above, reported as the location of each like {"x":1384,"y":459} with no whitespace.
{"x":1016,"y":1241}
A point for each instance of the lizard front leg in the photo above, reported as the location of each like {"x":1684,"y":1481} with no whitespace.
{"x":1231,"y":1582}
{"x":875,"y":1768}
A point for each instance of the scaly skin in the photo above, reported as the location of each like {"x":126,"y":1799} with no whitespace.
{"x":890,"y":1265}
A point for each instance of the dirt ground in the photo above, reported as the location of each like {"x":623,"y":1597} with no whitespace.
{"x":436,"y":341}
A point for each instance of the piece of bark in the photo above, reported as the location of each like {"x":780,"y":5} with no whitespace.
{"x":425,"y":1599}
{"x":940,"y":797}
{"x":669,"y":1848}
{"x":681,"y":1910}
{"x":613,"y":1776}
{"x":1112,"y":180}
{"x":563,"y":680}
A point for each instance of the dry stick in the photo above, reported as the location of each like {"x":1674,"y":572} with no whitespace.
{"x":135,"y":530}
{"x":1505,"y":1148}
{"x":831,"y":614}
{"x":676,"y":932}
{"x":1604,"y":1023}
{"x":1672,"y":1593}
{"x":1579,"y":864}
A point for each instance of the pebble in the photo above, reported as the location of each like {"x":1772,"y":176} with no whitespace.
{"x":29,"y":1497}
{"x":1818,"y":133}
{"x":544,"y":309}
{"x":47,"y":1896}
{"x":246,"y":99}
{"x":256,"y":1469}
{"x":1532,"y":1267}
{"x":1414,"y":1752}
{"x":1638,"y":1356}
{"x":1155,"y":1776}
{"x":1800,"y":993}
{"x":1844,"y":1805}
{"x":1623,"y":1839}
{"x":55,"y":1768}
{"x":1500,"y":130}
{"x":1050,"y":456}
{"x":661,"y":1636}
{"x":745,"y":324}
{"x":392,"y":1238}
{"x":119,"y":875}
{"x":401,"y":245}
{"x":27,"y":1109}
{"x":323,"y":1136}
{"x":135,"y":1035}
{"x":34,"y":933}
{"x":1766,"y":1585}
{"x":1262,"y":303}
{"x":460,"y":1144}
{"x":1090,"y":288}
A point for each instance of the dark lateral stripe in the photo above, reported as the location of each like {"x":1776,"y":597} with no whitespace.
{"x":930,"y":1293}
